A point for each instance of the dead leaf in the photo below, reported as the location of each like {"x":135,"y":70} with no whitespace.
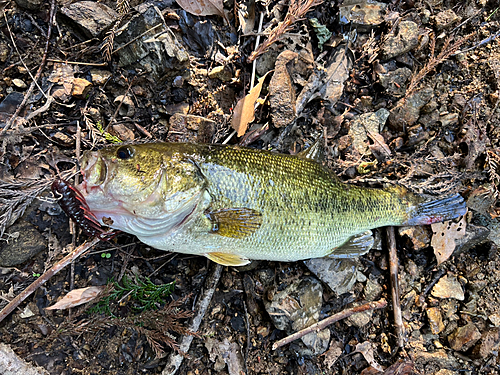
{"x":246,"y":16}
{"x":77,"y":297}
{"x":244,"y":111}
{"x":366,"y":349}
{"x":203,"y":7}
{"x":443,"y":238}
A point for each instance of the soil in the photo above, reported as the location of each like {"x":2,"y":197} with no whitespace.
{"x":441,"y":136}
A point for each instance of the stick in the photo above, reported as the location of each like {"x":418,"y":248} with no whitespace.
{"x":330,"y":320}
{"x":46,"y":277}
{"x":393,"y":270}
{"x":175,"y":359}
{"x":38,"y":73}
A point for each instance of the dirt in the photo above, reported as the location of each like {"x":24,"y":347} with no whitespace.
{"x":440,"y":135}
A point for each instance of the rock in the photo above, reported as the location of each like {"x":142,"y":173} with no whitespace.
{"x":281,"y":91}
{"x":435,"y":320}
{"x":360,"y":319}
{"x":159,"y":54}
{"x":4,"y":52}
{"x":364,"y":15}
{"x":99,"y":76}
{"x":81,"y":88}
{"x":122,"y":132}
{"x":395,"y":81}
{"x":221,"y":72}
{"x":464,"y":337}
{"x":383,"y":115}
{"x":23,"y":242}
{"x":9,"y":105}
{"x":30,"y":4}
{"x":19,"y":83}
{"x":203,"y":127}
{"x":448,"y":119}
{"x":474,"y":235}
{"x":495,"y":319}
{"x":63,"y":139}
{"x":439,"y":358}
{"x":419,"y":236}
{"x":373,"y":290}
{"x":339,"y":274}
{"x":407,"y":111}
{"x":445,"y":19}
{"x":298,"y":307}
{"x":404,"y":41}
{"x":225,"y":352}
{"x":448,"y":287}
{"x":91,"y":17}
{"x":127,"y":106}
{"x":198,"y":36}
{"x":482,"y":199}
{"x":360,"y":126}
{"x":490,"y":342}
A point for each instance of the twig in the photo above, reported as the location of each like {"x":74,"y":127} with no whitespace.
{"x":296,"y":11}
{"x":380,"y":304}
{"x":46,"y":277}
{"x":39,"y":71}
{"x":393,"y":269}
{"x":175,"y":360}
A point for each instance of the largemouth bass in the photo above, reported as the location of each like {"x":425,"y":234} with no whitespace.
{"x":234,"y":204}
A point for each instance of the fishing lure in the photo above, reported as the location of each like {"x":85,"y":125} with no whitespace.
{"x":73,"y":204}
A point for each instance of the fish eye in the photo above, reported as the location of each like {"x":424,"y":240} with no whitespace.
{"x":125,"y":152}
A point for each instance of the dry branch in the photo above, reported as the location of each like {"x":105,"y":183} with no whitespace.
{"x":330,"y":320}
{"x":296,"y":11}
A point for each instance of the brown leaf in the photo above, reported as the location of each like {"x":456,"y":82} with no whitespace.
{"x":203,"y":7}
{"x":366,"y":349}
{"x":244,"y":111}
{"x":77,"y":297}
{"x":443,"y":238}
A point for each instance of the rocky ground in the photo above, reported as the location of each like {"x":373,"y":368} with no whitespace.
{"x":402,"y":93}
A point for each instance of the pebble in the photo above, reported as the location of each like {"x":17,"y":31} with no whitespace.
{"x":448,"y":287}
{"x":495,"y":319}
{"x":404,"y":41}
{"x":297,"y":307}
{"x":18,"y":248}
{"x":407,"y":111}
{"x":490,"y":342}
{"x":339,"y":274}
{"x":464,"y":338}
{"x":122,"y":132}
{"x":127,"y":106}
{"x":281,"y":91}
{"x":363,"y":124}
{"x":360,"y":319}
{"x":221,"y":72}
{"x":99,"y":76}
{"x":81,"y":88}
{"x":445,"y":19}
{"x":19,"y":83}
{"x":365,"y":15}
{"x":91,"y":17}
{"x":419,"y":236}
{"x":435,"y":320}
{"x":395,"y":81}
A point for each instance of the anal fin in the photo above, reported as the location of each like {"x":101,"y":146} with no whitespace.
{"x":227,"y":259}
{"x":357,"y":245}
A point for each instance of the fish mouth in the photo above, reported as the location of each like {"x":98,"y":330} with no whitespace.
{"x":94,"y":172}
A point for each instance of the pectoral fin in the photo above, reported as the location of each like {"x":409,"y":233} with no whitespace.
{"x":227,"y":259}
{"x":357,"y":245}
{"x":234,"y":222}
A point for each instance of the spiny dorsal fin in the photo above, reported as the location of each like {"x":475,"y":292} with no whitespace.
{"x":234,"y":222}
{"x":316,"y":152}
{"x":357,"y":245}
{"x":227,"y":259}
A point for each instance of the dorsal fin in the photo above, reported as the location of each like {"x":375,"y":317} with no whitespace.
{"x":316,"y":152}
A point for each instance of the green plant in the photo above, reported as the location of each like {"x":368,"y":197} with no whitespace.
{"x":145,"y":295}
{"x":109,"y":137}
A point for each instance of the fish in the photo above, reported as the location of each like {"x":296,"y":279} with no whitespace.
{"x":234,"y":204}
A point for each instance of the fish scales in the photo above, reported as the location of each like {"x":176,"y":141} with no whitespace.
{"x":232,"y":204}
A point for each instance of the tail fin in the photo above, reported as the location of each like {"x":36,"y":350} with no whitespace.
{"x":429,"y":212}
